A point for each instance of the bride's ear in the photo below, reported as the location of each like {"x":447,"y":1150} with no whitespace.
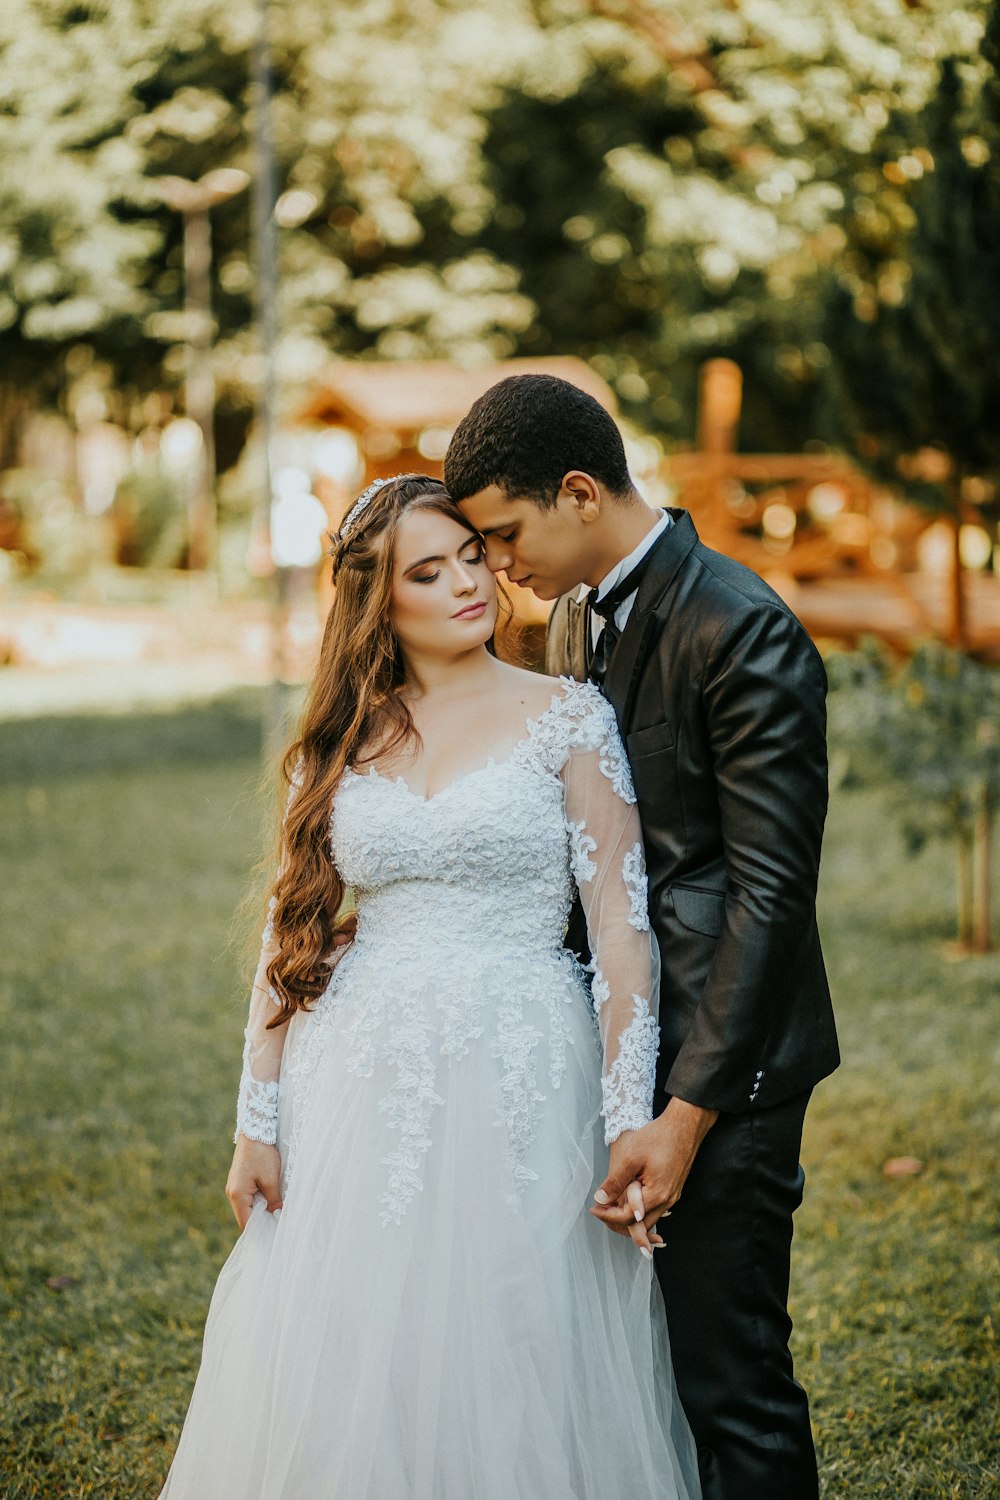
{"x":581,"y":493}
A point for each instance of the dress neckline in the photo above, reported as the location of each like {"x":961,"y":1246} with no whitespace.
{"x":492,"y":764}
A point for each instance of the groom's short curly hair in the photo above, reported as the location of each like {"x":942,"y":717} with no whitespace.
{"x":526,"y":433}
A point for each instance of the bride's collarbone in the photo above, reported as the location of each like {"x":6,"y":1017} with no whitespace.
{"x":429,"y":773}
{"x":447,"y":752}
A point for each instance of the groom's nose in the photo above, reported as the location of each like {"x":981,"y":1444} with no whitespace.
{"x":498,"y":555}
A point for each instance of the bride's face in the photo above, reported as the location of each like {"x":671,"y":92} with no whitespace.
{"x":444,"y":597}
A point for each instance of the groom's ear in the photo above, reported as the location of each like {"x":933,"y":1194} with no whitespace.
{"x":581,"y":493}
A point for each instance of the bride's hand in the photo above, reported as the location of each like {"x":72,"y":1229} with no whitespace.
{"x":256,"y":1169}
{"x":645,"y":1238}
{"x":657,"y":1160}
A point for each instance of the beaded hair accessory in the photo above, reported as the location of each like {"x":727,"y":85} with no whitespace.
{"x":361,"y":504}
{"x":350,"y":526}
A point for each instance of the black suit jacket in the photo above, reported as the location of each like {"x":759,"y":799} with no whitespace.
{"x":721,"y":700}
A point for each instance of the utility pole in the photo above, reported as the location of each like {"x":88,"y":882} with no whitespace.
{"x":194,"y":201}
{"x":265,"y":243}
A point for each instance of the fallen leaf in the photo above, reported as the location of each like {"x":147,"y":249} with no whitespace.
{"x":903,"y":1166}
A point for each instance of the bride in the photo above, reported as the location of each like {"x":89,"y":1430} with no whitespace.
{"x":420,"y":1305}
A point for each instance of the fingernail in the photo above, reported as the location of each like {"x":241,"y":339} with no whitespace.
{"x":638,"y":1215}
{"x":601,"y":1196}
{"x":647,"y":1253}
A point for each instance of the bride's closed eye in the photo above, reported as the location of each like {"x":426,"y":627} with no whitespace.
{"x":470,"y":559}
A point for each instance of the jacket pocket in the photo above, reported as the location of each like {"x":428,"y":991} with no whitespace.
{"x":648,"y":741}
{"x":699,"y":909}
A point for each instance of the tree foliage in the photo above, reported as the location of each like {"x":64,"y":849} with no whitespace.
{"x":929,"y":731}
{"x":641,"y":183}
{"x":913,"y":316}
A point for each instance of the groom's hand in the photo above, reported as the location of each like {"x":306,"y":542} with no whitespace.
{"x":658,"y":1157}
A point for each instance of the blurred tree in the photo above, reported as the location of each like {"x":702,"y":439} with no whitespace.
{"x":930,"y":733}
{"x":647,"y":184}
{"x":727,"y":140}
{"x":67,"y":260}
{"x":913,"y":318}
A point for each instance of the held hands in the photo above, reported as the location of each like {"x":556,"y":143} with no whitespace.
{"x":648,"y":1170}
{"x":256,"y":1169}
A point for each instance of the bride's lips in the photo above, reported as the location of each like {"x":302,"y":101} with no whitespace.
{"x":471,"y":611}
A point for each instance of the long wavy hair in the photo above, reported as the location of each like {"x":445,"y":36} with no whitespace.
{"x":354,"y":713}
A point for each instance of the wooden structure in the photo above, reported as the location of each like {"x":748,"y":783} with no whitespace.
{"x":848,"y":556}
{"x":401,"y":411}
{"x":402,"y":416}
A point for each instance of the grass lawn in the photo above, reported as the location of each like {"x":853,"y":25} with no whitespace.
{"x":126,"y":847}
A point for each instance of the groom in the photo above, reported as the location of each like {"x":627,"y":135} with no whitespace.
{"x":720,"y":698}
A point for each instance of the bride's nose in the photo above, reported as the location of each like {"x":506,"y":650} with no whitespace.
{"x":463,"y":580}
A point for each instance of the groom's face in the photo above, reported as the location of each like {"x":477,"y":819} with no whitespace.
{"x":546,"y":550}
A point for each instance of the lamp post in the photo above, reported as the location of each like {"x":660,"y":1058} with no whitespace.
{"x":265,"y":258}
{"x":193,"y":201}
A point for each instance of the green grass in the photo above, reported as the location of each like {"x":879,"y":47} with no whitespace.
{"x":126,"y":847}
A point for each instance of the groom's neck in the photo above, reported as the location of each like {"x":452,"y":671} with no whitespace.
{"x":623,"y":527}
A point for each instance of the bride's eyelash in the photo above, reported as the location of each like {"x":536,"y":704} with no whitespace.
{"x":479,"y":557}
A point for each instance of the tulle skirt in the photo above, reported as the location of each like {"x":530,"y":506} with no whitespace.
{"x":434,"y":1315}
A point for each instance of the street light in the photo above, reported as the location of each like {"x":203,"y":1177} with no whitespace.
{"x":193,"y":201}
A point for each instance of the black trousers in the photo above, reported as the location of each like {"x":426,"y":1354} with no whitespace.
{"x":724,"y":1278}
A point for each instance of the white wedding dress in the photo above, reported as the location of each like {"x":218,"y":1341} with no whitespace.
{"x":433,"y":1314}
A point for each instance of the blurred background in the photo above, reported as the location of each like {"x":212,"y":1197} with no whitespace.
{"x":254,"y":254}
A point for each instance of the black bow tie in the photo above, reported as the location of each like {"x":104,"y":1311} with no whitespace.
{"x":607,"y":608}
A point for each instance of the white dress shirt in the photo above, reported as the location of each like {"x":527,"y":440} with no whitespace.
{"x":621,"y":570}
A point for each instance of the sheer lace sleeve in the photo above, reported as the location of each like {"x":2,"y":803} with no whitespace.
{"x":257,"y":1106}
{"x":609,"y":869}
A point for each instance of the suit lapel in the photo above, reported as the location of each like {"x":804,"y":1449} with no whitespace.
{"x":578,"y":649}
{"x":622,"y":677}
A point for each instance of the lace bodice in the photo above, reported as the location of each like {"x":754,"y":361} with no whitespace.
{"x":479,"y":879}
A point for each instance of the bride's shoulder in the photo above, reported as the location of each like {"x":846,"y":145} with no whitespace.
{"x":563,"y":714}
{"x":563,"y":697}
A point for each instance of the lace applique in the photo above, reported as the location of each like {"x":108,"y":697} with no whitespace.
{"x":317,"y":1029}
{"x":581,"y":847}
{"x":257,"y":1108}
{"x":408,"y":1107}
{"x":583,"y":719}
{"x":616,"y":768}
{"x":600,"y":991}
{"x":557,"y":1003}
{"x":628,"y":1085}
{"x":514,"y":1046}
{"x":579,"y":717}
{"x":634,"y":876}
{"x":461,"y":1024}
